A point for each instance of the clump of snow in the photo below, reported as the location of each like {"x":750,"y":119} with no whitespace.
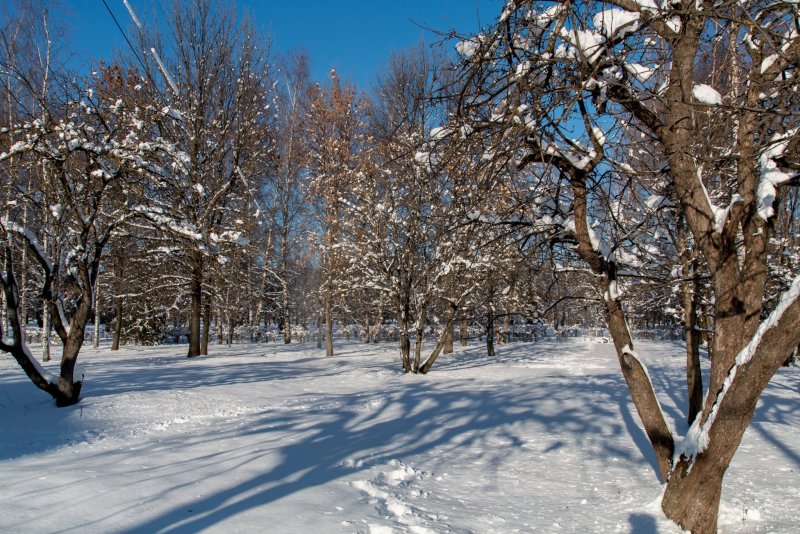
{"x":705,"y":94}
{"x":771,"y":176}
{"x":467,"y":48}
{"x":616,"y":22}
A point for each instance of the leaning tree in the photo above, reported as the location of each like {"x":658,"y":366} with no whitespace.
{"x":91,"y":143}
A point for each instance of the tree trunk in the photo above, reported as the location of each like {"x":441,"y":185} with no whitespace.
{"x":117,"y":323}
{"x":376,"y":335}
{"x":691,"y":498}
{"x":423,"y":312}
{"x":319,"y":331}
{"x":405,"y":341}
{"x":96,"y":298}
{"x":287,"y":323}
{"x":690,"y":294}
{"x":440,"y":343}
{"x":46,"y":329}
{"x":448,"y":338}
{"x":196,"y":296}
{"x":464,"y":329}
{"x":490,"y":331}
{"x":328,"y":326}
{"x":694,"y":378}
{"x":206,"y":327}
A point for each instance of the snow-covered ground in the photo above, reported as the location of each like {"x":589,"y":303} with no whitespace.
{"x":270,"y":438}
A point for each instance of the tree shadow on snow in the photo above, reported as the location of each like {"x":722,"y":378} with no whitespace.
{"x":419,"y":419}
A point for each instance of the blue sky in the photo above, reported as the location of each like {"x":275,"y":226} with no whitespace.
{"x":355,"y":37}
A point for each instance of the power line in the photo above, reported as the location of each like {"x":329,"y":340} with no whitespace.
{"x":130,"y":45}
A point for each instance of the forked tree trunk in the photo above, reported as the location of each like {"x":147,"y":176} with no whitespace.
{"x":439,"y":343}
{"x":691,"y":497}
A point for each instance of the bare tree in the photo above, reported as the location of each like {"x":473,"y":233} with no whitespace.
{"x":560,"y":82}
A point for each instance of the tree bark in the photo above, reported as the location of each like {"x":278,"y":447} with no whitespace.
{"x":328,"y":324}
{"x":405,"y":341}
{"x":691,"y":498}
{"x":117,"y":323}
{"x":319,"y":331}
{"x":96,"y":298}
{"x":206,"y":327}
{"x":196,"y":296}
{"x":46,"y":330}
{"x":464,"y":329}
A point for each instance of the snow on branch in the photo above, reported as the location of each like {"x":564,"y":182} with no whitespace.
{"x":771,"y":176}
{"x":33,"y":242}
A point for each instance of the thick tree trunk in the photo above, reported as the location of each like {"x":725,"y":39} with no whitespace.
{"x":196,"y":297}
{"x":448,"y":338}
{"x":691,"y":497}
{"x":117,"y":323}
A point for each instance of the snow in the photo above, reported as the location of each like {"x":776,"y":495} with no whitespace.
{"x":640,"y":72}
{"x":541,"y":435}
{"x":616,"y":22}
{"x":705,"y":94}
{"x":588,"y":42}
{"x":696,"y":439}
{"x":467,"y":48}
{"x":771,"y":176}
